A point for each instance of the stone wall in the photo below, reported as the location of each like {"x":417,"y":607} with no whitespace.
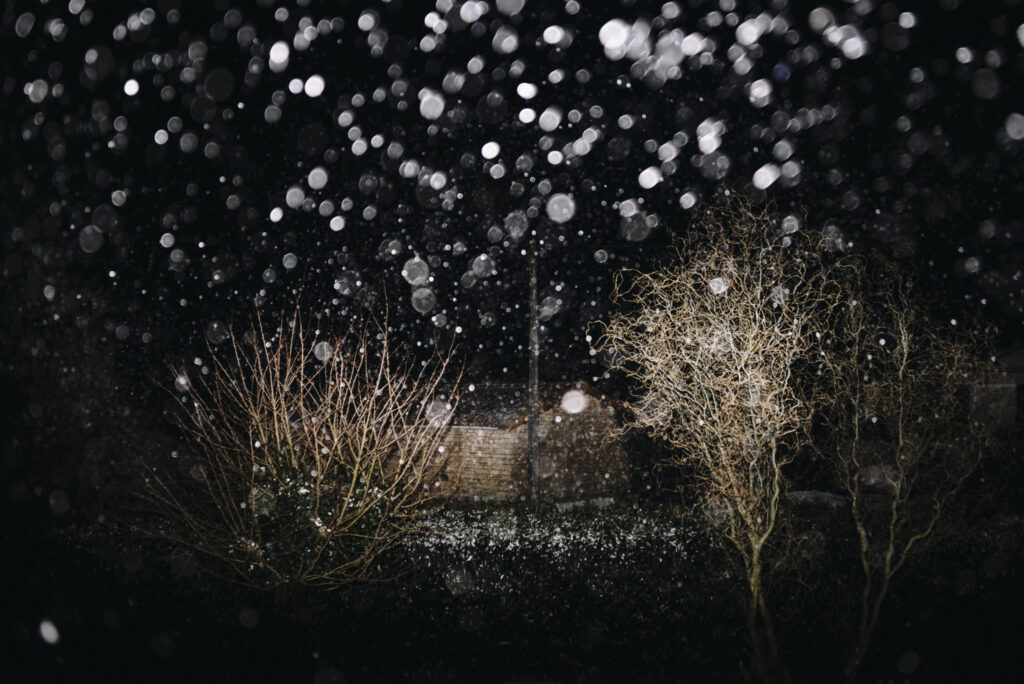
{"x":580,"y":458}
{"x":485,"y":463}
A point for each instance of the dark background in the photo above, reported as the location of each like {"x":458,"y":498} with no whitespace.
{"x":914,"y":147}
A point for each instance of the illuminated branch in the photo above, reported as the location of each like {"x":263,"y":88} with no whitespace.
{"x":312,"y":456}
{"x":714,"y":342}
{"x":899,"y":388}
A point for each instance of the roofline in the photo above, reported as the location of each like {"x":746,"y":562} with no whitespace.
{"x":581,"y":385}
{"x":522,"y":418}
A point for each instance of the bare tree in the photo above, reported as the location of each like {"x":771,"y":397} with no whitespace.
{"x":906,"y":439}
{"x":312,"y":456}
{"x":714,"y":342}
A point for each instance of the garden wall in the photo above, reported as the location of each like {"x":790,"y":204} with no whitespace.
{"x":580,"y":458}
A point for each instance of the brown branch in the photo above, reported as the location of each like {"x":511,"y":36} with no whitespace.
{"x":714,"y":342}
{"x":314,"y":460}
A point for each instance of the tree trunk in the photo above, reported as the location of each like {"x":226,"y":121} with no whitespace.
{"x":760,"y":630}
{"x":870,"y":613}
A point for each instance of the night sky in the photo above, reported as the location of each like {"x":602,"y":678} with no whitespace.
{"x":170,"y":168}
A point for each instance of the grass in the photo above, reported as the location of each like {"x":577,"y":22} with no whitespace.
{"x":498,"y":593}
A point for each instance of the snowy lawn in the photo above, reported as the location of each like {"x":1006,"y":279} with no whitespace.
{"x":502,"y":549}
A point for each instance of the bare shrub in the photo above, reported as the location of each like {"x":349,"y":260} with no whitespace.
{"x":312,"y":456}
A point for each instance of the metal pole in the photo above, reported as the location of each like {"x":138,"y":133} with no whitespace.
{"x":534,"y":389}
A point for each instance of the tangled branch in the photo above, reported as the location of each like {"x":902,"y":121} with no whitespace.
{"x":312,"y":456}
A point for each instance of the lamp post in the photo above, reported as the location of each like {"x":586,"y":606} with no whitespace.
{"x":533,"y":466}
